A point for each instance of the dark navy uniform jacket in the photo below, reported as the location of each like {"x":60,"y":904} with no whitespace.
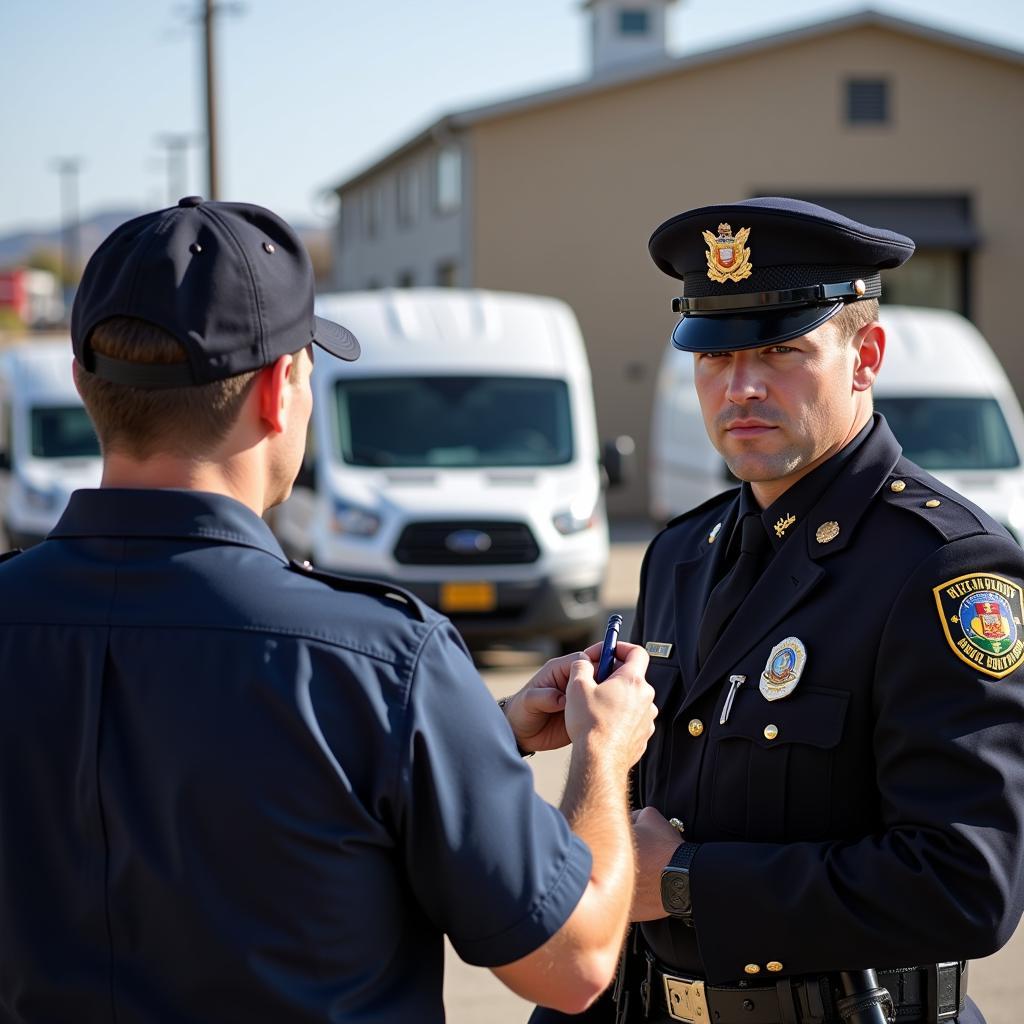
{"x":231,"y":791}
{"x":874,"y":816}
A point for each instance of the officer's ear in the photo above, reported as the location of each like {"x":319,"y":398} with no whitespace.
{"x":869,"y":351}
{"x":273,"y":387}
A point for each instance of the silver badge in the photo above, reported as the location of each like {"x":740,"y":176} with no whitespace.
{"x":785,"y":666}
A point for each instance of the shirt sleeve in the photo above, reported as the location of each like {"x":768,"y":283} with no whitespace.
{"x":941,"y":878}
{"x":492,"y":864}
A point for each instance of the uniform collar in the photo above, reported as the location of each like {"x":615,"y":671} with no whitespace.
{"x":165,"y":513}
{"x":793,"y":506}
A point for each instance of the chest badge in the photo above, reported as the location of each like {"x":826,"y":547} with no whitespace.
{"x":656,"y":650}
{"x":981,"y":616}
{"x":785,"y":666}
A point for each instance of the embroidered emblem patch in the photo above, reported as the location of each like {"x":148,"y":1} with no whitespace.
{"x":981,"y":616}
{"x":785,"y":666}
{"x":728,"y":260}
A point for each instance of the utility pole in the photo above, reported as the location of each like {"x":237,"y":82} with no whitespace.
{"x":211,"y":8}
{"x":176,"y":145}
{"x":68,"y":168}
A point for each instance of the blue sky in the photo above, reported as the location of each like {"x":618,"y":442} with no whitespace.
{"x":312,"y":90}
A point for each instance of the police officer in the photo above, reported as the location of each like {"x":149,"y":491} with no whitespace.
{"x":836,"y":782}
{"x":234,"y":789}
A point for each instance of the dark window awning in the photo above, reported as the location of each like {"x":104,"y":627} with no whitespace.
{"x":933,"y":222}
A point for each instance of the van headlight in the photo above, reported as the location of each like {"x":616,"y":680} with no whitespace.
{"x":579,"y":516}
{"x":354,"y":519}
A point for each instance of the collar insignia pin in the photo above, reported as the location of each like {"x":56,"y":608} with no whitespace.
{"x":827,"y":532}
{"x":715,"y":531}
{"x":728,"y":259}
{"x":783,"y":525}
{"x":783,"y":670}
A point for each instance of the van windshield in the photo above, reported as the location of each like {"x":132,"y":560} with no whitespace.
{"x":454,"y":421}
{"x":951,"y":432}
{"x":63,"y":432}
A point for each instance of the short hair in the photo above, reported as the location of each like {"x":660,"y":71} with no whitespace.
{"x":853,"y":316}
{"x":141,"y":422}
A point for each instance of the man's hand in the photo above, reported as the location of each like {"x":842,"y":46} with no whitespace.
{"x":536,"y":712}
{"x":617,"y":716}
{"x":655,"y":841}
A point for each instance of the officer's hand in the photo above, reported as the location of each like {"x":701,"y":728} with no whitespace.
{"x":615,"y":717}
{"x":536,"y":712}
{"x":655,"y":840}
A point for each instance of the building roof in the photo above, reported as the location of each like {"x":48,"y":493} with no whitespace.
{"x":452,"y":124}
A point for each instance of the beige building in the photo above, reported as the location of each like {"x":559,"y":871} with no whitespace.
{"x":889,"y":121}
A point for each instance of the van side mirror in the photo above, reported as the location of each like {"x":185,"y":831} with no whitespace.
{"x":306,"y":477}
{"x":616,"y":456}
{"x":5,"y":461}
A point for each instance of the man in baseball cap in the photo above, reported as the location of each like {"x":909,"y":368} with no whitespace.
{"x":234,"y":788}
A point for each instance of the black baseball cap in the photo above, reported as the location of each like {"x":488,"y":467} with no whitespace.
{"x":763,"y":271}
{"x":231,"y":281}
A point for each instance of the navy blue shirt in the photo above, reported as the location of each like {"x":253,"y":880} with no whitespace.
{"x":232,"y":791}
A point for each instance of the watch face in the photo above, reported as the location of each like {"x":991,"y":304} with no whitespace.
{"x":675,"y":892}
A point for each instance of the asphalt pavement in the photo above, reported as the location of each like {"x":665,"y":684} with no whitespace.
{"x":474,"y":996}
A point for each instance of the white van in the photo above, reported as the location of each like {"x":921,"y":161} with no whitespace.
{"x":47,"y":444}
{"x":458,"y":457}
{"x":943,"y":392}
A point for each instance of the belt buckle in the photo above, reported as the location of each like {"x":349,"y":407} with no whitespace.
{"x":686,"y":1000}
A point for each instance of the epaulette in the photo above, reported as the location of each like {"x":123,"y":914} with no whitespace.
{"x":361,"y":585}
{"x":10,"y":554}
{"x":719,"y":499}
{"x":950,"y":514}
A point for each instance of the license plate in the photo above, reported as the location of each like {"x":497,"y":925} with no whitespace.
{"x":468,"y":597}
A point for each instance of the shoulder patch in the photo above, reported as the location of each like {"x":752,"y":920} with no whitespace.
{"x":981,"y":615}
{"x":10,"y":554}
{"x":360,"y":585}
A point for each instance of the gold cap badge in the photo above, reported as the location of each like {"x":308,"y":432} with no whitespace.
{"x":728,"y":259}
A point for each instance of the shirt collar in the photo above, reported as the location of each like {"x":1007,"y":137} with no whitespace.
{"x":165,"y":513}
{"x":793,"y":505}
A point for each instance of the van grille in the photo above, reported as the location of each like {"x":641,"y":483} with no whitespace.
{"x":466,"y":543}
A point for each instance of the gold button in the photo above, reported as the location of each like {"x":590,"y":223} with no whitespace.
{"x":771,"y":731}
{"x":774,"y":966}
{"x":752,"y":969}
{"x":897,"y":486}
{"x":696,"y":726}
{"x":934,"y":503}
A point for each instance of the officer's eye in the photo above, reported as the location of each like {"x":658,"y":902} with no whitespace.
{"x":781,"y":349}
{"x":714,"y":355}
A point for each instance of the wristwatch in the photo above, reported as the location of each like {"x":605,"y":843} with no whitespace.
{"x":675,"y":884}
{"x":502,"y":701}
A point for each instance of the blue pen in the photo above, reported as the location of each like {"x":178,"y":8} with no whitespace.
{"x":611,"y":638}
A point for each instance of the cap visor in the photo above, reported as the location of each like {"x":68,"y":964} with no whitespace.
{"x":748,"y":330}
{"x":337,"y":340}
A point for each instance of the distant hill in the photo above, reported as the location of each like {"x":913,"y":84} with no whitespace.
{"x":17,"y":247}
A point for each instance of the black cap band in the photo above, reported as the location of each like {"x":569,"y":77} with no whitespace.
{"x":151,"y":376}
{"x":869,"y":287}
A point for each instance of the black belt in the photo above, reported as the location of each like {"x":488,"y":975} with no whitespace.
{"x":928,"y":994}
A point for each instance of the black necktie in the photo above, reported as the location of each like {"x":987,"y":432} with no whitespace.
{"x":728,"y":595}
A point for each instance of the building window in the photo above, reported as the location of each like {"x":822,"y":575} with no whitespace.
{"x":448,"y":183}
{"x":408,"y":196}
{"x":405,"y":279}
{"x":446,"y":274}
{"x":934,"y":277}
{"x":867,"y":101}
{"x":634,"y":23}
{"x":373,"y":285}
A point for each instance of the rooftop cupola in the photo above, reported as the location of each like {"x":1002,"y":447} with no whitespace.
{"x":627,"y":31}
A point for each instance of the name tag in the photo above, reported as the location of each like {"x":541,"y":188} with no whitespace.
{"x":659,"y":650}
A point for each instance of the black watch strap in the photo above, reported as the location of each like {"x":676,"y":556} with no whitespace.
{"x":675,"y":884}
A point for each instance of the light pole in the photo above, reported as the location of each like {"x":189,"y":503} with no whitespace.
{"x":176,"y":144}
{"x":68,"y":168}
